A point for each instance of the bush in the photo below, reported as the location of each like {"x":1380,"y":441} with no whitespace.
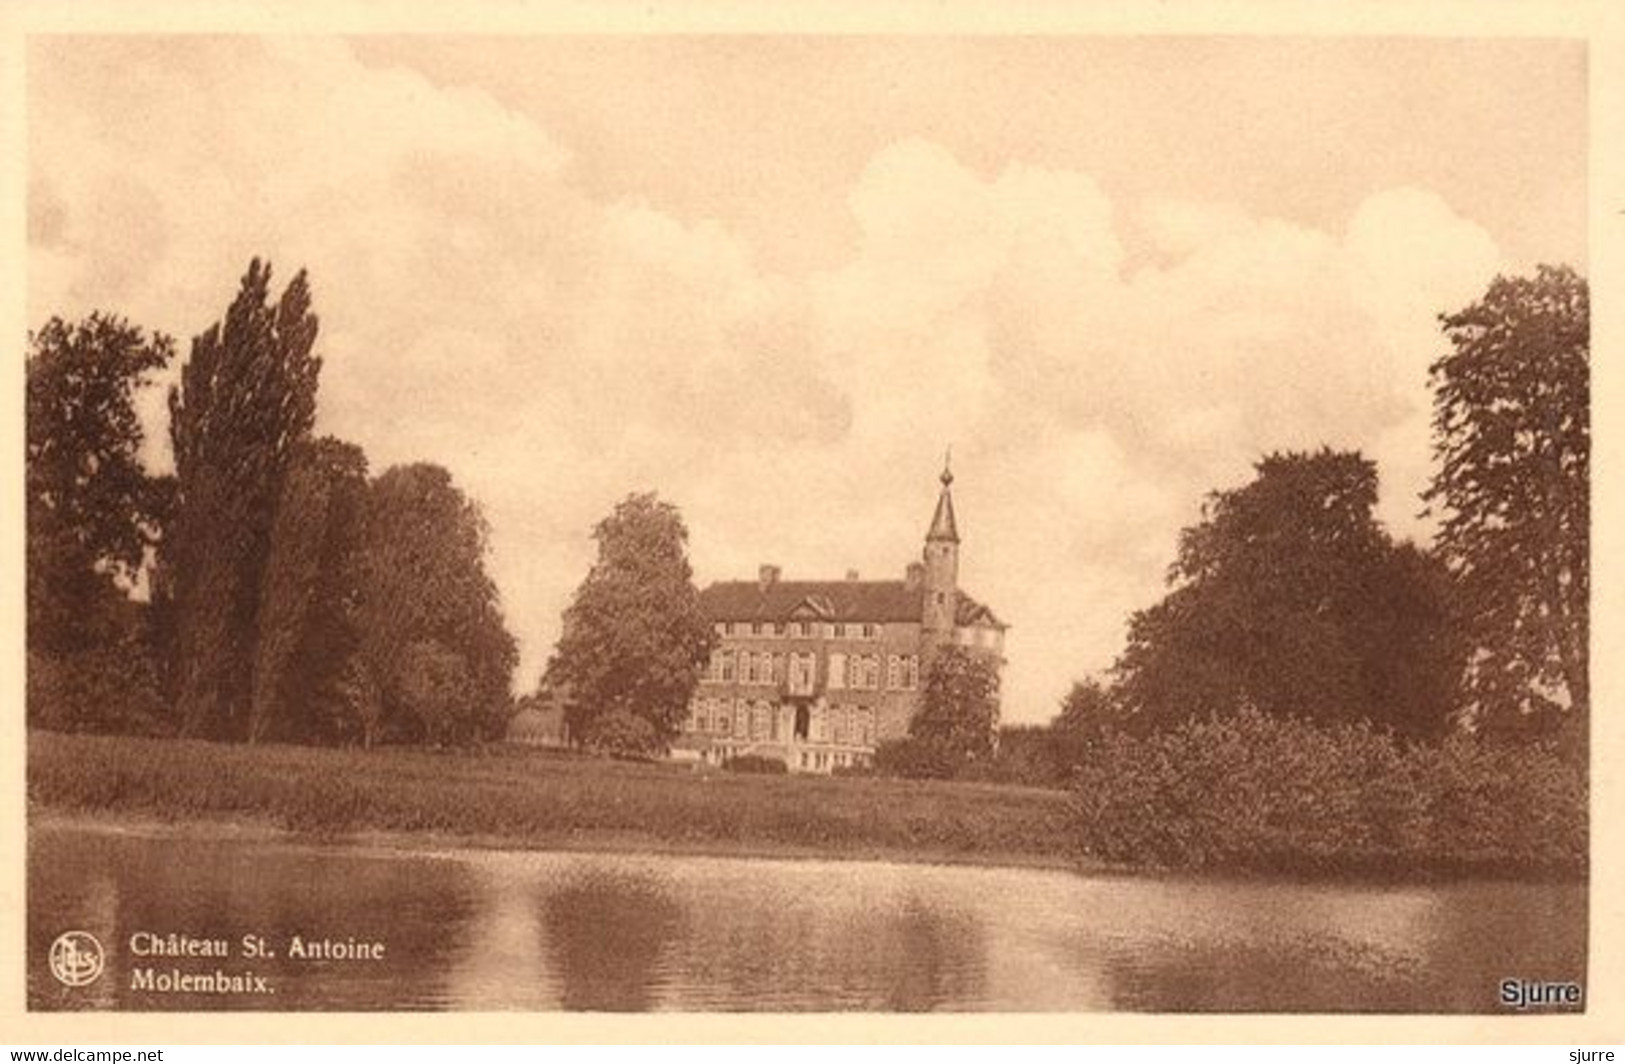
{"x":622,"y":735}
{"x":1256,"y":791}
{"x":112,"y":689}
{"x":756,"y":763}
{"x":917,"y":759}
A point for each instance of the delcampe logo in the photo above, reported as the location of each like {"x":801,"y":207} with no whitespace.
{"x":76,"y":958}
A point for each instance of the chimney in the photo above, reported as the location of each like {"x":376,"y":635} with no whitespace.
{"x":767,"y":576}
{"x":851,"y":575}
{"x":915,"y":574}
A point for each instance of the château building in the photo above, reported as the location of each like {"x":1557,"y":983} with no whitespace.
{"x":817,"y":672}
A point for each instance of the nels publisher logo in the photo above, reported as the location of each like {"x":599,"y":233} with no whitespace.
{"x":76,"y":958}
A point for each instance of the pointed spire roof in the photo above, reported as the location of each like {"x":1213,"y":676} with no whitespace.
{"x":943,"y":525}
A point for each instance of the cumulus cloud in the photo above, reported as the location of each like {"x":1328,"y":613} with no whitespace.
{"x":557,"y":348}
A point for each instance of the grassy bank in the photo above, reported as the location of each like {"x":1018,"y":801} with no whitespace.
{"x":526,"y":798}
{"x":1246,"y":794}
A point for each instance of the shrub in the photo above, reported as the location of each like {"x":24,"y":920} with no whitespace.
{"x":756,"y":763}
{"x":860,"y":770}
{"x":1256,"y":791}
{"x":916,"y":759}
{"x":622,"y":734}
{"x":106,"y":689}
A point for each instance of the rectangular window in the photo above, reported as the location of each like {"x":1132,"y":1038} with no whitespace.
{"x":761,"y":725}
{"x":871,"y":631}
{"x":837,"y":725}
{"x":757,"y":628}
{"x":742,"y":719}
{"x":866,"y":727}
{"x":727,"y":666}
{"x":802,"y":667}
{"x":894,"y":672}
{"x":911,"y":672}
{"x":818,"y":724}
{"x":837,"y":672}
{"x":747,"y":667}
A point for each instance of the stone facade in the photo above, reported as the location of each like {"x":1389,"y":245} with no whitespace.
{"x":816,"y":673}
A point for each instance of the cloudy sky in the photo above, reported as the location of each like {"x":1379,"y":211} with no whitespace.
{"x":772,"y":278}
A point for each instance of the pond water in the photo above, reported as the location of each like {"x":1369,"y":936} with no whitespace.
{"x":483,"y":930}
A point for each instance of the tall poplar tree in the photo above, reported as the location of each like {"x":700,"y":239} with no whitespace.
{"x":306,"y":628}
{"x":246,"y":401}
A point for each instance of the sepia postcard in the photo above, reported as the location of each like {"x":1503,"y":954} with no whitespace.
{"x":701,"y":524}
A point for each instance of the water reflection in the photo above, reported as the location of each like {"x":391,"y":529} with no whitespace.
{"x":117,"y":885}
{"x":602,"y":932}
{"x":607,"y":932}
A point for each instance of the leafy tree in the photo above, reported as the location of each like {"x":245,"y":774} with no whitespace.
{"x":1086,"y":715}
{"x":1026,"y":756}
{"x":306,"y":627}
{"x":92,"y":511}
{"x":420,"y":571}
{"x":109,"y":688}
{"x":246,"y":400}
{"x":634,"y":639}
{"x":1288,"y":597}
{"x":960,"y":710}
{"x":434,"y":686}
{"x":623,"y":734}
{"x":1512,"y":432}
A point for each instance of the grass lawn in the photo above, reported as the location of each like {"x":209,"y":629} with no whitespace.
{"x":524,"y":798}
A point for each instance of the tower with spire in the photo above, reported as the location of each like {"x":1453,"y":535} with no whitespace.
{"x":941,"y":578}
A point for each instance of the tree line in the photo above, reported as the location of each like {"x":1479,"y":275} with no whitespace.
{"x":269,"y":588}
{"x":292,"y":596}
{"x":1289,"y":600}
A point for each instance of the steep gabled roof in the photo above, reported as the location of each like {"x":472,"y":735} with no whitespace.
{"x":970,"y":613}
{"x":877,"y":601}
{"x":830,"y":600}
